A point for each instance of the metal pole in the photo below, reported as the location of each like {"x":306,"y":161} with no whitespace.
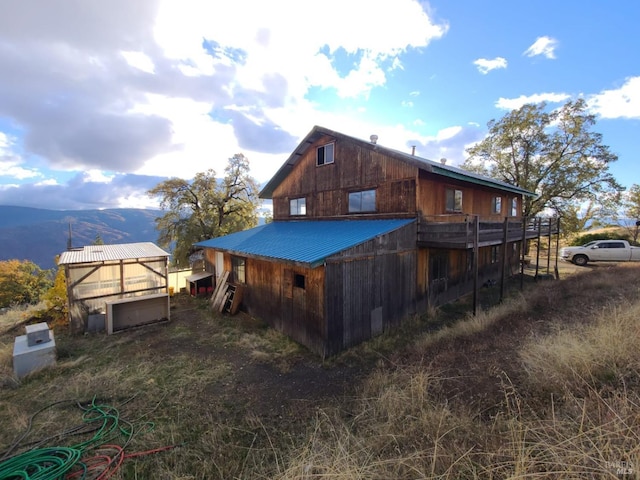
{"x":549,"y":248}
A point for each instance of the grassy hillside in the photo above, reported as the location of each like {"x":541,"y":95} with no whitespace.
{"x":39,"y":235}
{"x":545,"y":385}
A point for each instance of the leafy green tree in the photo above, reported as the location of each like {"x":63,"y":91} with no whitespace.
{"x":22,"y":282}
{"x":98,"y":240}
{"x":631,"y":212}
{"x":206,"y":207}
{"x":554,"y":154}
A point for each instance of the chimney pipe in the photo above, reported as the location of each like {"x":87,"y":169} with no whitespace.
{"x":443,"y":161}
{"x":374,"y":139}
{"x":413,"y":150}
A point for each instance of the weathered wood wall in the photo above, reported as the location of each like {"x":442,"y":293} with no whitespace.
{"x":326,"y":188}
{"x":459,"y":273}
{"x":271,"y":295}
{"x":476,"y":199}
{"x":370,"y":288}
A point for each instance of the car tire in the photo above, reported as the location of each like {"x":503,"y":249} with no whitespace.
{"x":580,"y":260}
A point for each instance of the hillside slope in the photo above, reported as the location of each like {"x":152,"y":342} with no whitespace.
{"x":39,"y":234}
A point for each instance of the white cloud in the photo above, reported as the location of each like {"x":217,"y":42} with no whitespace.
{"x":139,"y":60}
{"x":542,"y":46}
{"x":11,"y":163}
{"x":415,"y":93}
{"x":47,"y":182}
{"x":406,"y":103}
{"x":485,"y":65}
{"x":623,"y":102}
{"x":515,"y":103}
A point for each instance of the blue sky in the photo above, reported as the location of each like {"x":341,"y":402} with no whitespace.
{"x":99,"y":101}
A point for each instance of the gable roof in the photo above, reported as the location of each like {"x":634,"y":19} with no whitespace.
{"x":421,"y":163}
{"x":104,"y":253}
{"x":307,"y":242}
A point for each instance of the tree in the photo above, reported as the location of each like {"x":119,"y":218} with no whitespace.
{"x":22,"y":282}
{"x":631,"y":212}
{"x":56,"y":297}
{"x":206,"y":207}
{"x":98,"y":240}
{"x":554,"y":154}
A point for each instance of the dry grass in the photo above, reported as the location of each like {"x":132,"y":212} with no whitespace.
{"x":568,"y":403}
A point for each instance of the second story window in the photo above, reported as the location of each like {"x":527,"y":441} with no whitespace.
{"x":324,"y":154}
{"x":514,"y":207}
{"x":364,"y":201}
{"x":496,"y":205}
{"x":454,"y":200}
{"x":297,"y":206}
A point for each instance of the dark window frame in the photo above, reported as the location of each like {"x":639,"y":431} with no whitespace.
{"x":496,"y":204}
{"x":239,"y":269}
{"x":359,"y":198}
{"x":299,"y":281}
{"x":453,"y":200}
{"x":323,"y":152}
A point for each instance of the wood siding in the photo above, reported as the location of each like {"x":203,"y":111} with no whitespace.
{"x":476,"y":199}
{"x":355,"y":168}
{"x":370,"y":288}
{"x":272,"y":295}
{"x":452,"y":277}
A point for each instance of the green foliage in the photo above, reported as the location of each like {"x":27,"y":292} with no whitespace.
{"x":555,"y":155}
{"x":98,"y":240}
{"x":631,"y":212}
{"x":22,"y":282}
{"x":590,"y":237}
{"x":206,"y":207}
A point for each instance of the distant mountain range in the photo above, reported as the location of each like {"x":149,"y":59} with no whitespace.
{"x":39,"y":235}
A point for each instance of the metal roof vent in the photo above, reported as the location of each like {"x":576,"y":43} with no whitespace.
{"x":374,"y":139}
{"x":443,"y":161}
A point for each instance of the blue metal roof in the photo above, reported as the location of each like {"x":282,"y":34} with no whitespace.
{"x":309,"y":242}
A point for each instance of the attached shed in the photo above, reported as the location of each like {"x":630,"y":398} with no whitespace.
{"x":122,"y":285}
{"x":328,"y":284}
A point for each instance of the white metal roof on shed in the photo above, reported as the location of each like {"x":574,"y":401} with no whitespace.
{"x":105,"y":253}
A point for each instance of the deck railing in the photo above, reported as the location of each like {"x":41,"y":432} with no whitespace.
{"x":459,"y":231}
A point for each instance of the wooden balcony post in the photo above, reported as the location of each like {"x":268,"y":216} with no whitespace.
{"x":523,"y":251}
{"x":503,"y":261}
{"x":549,"y":247}
{"x":476,"y":241}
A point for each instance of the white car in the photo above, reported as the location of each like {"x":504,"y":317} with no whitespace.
{"x":601,"y":251}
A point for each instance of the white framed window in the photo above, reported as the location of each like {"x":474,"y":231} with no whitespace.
{"x":298,"y":206}
{"x":514,"y":207}
{"x":324,"y":154}
{"x":454,"y":200}
{"x":496,"y":205}
{"x":363,"y":201}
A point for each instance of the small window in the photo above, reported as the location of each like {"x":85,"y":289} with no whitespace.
{"x":514,"y":207}
{"x":238,"y":269}
{"x":324,"y":154}
{"x":298,"y":281}
{"x":496,"y":205}
{"x":298,"y":206}
{"x":454,"y":200}
{"x":364,"y":201}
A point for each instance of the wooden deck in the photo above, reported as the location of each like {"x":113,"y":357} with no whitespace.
{"x":459,"y":231}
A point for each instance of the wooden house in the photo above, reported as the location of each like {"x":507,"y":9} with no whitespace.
{"x":364,"y":235}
